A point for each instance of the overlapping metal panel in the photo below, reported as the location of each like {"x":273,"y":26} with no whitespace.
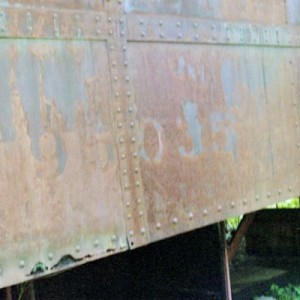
{"x":126,"y":122}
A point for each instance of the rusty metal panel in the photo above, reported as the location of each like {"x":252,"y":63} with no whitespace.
{"x":57,"y":4}
{"x":218,"y":131}
{"x":126,"y":122}
{"x":53,"y":24}
{"x":254,"y":11}
{"x":60,"y":192}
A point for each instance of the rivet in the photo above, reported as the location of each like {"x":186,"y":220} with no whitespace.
{"x":245,"y":201}
{"x":131,"y":233}
{"x":132,"y":124}
{"x":126,"y":186}
{"x":133,"y":140}
{"x":195,"y":25}
{"x":120,"y":125}
{"x":50,"y":256}
{"x":96,"y":243}
{"x":160,"y":23}
{"x":123,"y":156}
{"x":205,"y":212}
{"x":191,"y":216}
{"x":139,"y":201}
{"x":178,"y":24}
{"x":135,"y":155}
{"x":143,"y":34}
{"x":141,"y":213}
{"x":127,"y":78}
{"x":123,"y":246}
{"x":279,"y":192}
{"x":141,"y":21}
{"x":127,"y":203}
{"x":196,"y":37}
{"x":128,"y":94}
{"x":136,"y":170}
{"x":143,"y":231}
{"x":78,"y":32}
{"x":117,"y":94}
{"x":21,"y":264}
{"x":77,"y":249}
{"x":268,"y":194}
{"x":77,"y":17}
{"x":298,"y":145}
{"x":122,"y":33}
{"x":179,"y":35}
{"x":124,"y":48}
{"x":130,"y":109}
{"x":129,"y":217}
{"x":125,"y":63}
{"x":109,"y":19}
{"x":175,"y":221}
{"x":116,"y":78}
{"x":113,"y":63}
{"x":158,"y":226}
{"x":232,"y":204}
{"x":161,"y":35}
{"x":290,"y":188}
{"x":121,"y":140}
{"x":125,"y":171}
{"x":54,"y":16}
{"x":119,"y":109}
{"x":219,"y":208}
{"x":113,"y":238}
{"x":121,"y":20}
{"x":112,"y":48}
{"x":110,"y":32}
{"x":256,"y":197}
{"x":137,"y":184}
{"x":97,"y":18}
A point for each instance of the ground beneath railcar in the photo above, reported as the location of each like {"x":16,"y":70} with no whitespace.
{"x":253,"y":276}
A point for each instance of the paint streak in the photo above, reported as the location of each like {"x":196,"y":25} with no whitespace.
{"x":190,"y":111}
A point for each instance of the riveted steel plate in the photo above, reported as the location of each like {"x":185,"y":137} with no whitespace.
{"x":126,"y":122}
{"x":218,"y":131}
{"x":59,"y":177}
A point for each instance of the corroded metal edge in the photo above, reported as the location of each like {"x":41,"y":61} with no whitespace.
{"x":53,"y":24}
{"x":182,"y":30}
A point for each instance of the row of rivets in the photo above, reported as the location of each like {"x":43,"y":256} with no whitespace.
{"x":57,"y":19}
{"x":233,"y":33}
{"x":50,"y":255}
{"x":220,"y":208}
{"x":126,"y":134}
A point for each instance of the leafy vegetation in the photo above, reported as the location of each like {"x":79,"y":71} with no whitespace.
{"x":290,"y":292}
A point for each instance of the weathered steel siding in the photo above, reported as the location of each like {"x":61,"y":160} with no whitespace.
{"x":126,"y":122}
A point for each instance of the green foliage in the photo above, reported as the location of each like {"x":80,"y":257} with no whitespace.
{"x":233,"y":223}
{"x":289,"y":292}
{"x":291,"y":203}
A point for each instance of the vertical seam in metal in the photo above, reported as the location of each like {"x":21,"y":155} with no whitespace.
{"x":126,"y":126}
